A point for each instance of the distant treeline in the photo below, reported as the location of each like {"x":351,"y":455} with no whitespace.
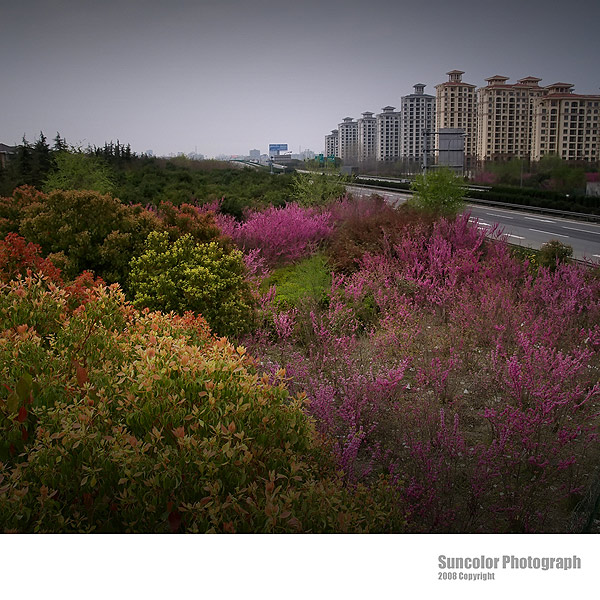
{"x":115,"y":169}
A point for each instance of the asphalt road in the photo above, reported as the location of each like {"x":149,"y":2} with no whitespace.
{"x":522,"y":228}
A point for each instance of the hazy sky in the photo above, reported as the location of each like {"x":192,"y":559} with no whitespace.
{"x":225,"y":76}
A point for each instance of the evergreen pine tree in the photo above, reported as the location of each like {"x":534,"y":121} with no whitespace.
{"x":41,"y":161}
{"x":60,"y":144}
{"x":24,"y":163}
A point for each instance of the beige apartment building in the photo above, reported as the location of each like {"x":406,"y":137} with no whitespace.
{"x":566,"y":124}
{"x":332,"y":146}
{"x":348,"y":140}
{"x":367,"y":137}
{"x":418,"y":116}
{"x":388,"y":134}
{"x":500,"y":121}
{"x":505,"y":118}
{"x":455,"y":107}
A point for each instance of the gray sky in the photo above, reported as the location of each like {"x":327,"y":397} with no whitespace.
{"x":226,"y":76}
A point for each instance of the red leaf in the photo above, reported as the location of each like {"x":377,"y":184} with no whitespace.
{"x":82,"y":377}
{"x":228,"y":527}
{"x":174,"y":521}
{"x":24,"y":434}
{"x":22,"y":414}
{"x":179,"y":432}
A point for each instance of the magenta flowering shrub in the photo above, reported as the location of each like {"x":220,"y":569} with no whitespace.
{"x":443,"y":361}
{"x":283,"y":235}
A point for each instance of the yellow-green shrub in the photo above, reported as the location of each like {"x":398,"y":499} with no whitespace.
{"x":184,"y":275}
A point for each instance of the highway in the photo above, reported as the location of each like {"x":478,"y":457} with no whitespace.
{"x":521,"y":227}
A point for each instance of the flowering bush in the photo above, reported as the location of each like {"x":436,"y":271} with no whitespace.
{"x":443,"y":360}
{"x":368,"y":225}
{"x":283,"y":235}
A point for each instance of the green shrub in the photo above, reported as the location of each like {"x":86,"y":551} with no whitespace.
{"x":79,"y":171}
{"x":88,"y":231}
{"x":317,"y":190}
{"x":186,"y":276}
{"x":93,"y":231}
{"x":553,"y":253}
{"x":439,"y":192}
{"x":115,"y":420}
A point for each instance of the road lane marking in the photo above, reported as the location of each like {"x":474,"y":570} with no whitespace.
{"x":519,"y":237}
{"x":584,"y":230}
{"x":549,"y":233}
{"x":500,"y":216}
{"x":540,"y":220}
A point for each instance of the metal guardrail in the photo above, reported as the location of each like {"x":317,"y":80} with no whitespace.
{"x":495,"y":203}
{"x":536,"y":209}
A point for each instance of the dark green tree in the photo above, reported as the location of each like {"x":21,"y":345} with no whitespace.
{"x":60,"y":144}
{"x":41,"y":161}
{"x":24,"y":163}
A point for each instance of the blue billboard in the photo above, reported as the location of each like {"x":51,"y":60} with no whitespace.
{"x":277,"y":147}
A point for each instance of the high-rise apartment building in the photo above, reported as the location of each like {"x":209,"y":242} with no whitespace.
{"x":455,"y":107}
{"x":499,"y":121}
{"x":348,"y":140}
{"x":566,"y":124}
{"x":388,"y":134}
{"x":332,"y":146}
{"x":367,"y":137}
{"x":418,"y":116}
{"x":505,"y":117}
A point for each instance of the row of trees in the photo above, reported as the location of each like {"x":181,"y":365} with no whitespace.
{"x":115,"y":169}
{"x":48,"y":166}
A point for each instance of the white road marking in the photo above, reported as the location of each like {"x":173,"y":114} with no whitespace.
{"x":501,"y":216}
{"x":540,"y":220}
{"x":584,"y":230}
{"x":549,"y":233}
{"x":519,"y":237}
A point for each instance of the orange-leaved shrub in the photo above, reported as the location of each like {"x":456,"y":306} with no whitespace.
{"x":88,"y":231}
{"x":119,"y":420}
